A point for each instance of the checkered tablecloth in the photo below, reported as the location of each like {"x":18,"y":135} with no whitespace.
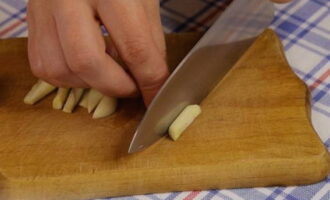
{"x":304,"y":27}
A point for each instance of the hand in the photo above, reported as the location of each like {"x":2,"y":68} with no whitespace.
{"x":281,"y":1}
{"x":66,"y":47}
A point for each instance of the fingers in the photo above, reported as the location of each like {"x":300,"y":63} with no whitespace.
{"x":281,"y":1}
{"x":151,"y":8}
{"x":47,"y":60}
{"x":85,"y":52}
{"x":112,"y":51}
{"x":34,"y":57}
{"x":128,"y":25}
{"x":67,"y":49}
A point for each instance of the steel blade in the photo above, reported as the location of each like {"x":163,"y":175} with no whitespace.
{"x":204,"y":66}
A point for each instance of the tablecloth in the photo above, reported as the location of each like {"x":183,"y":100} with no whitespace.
{"x":304,"y":28}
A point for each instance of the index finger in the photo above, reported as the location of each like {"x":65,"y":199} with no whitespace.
{"x":281,"y":1}
{"x":85,"y":51}
{"x":128,"y":25}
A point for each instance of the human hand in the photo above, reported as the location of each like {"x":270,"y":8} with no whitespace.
{"x":281,"y":1}
{"x":66,"y":47}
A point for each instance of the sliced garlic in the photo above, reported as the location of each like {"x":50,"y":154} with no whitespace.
{"x":73,"y":99}
{"x":60,"y":98}
{"x":185,"y":118}
{"x":94,"y":97}
{"x":38,"y":91}
{"x":106,"y":107}
{"x":83,"y":102}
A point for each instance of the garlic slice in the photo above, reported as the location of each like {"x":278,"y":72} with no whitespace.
{"x":106,"y":107}
{"x":185,"y":118}
{"x":38,"y":92}
{"x":73,"y":99}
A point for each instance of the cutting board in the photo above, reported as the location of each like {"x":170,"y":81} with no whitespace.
{"x":254,"y":131}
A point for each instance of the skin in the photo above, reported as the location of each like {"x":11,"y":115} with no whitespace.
{"x":66,"y":47}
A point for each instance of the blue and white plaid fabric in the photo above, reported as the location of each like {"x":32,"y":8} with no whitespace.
{"x":304,"y":27}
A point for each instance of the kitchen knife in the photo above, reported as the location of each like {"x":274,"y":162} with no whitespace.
{"x":204,"y":66}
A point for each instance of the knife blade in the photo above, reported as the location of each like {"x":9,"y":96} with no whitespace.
{"x":203,"y":67}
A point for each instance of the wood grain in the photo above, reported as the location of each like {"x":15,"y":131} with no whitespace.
{"x":254,"y":131}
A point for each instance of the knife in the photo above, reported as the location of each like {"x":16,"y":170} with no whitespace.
{"x":204,"y":66}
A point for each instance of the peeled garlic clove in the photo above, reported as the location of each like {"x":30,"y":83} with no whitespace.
{"x":84,"y":100}
{"x":38,"y":91}
{"x":73,"y":99}
{"x":106,"y":107}
{"x":94,"y":97}
{"x":186,"y":117}
{"x":59,"y":99}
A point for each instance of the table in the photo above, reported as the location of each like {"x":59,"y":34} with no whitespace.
{"x":304,"y":28}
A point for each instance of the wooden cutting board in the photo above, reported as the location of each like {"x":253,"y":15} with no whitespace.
{"x":254,"y":131}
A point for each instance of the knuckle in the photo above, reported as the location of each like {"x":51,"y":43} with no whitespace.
{"x":122,"y":91}
{"x":37,"y":69}
{"x":57,"y":73}
{"x":152,"y":80}
{"x":136,"y":51}
{"x":38,"y":73}
{"x":127,"y":92}
{"x":82,"y":61}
